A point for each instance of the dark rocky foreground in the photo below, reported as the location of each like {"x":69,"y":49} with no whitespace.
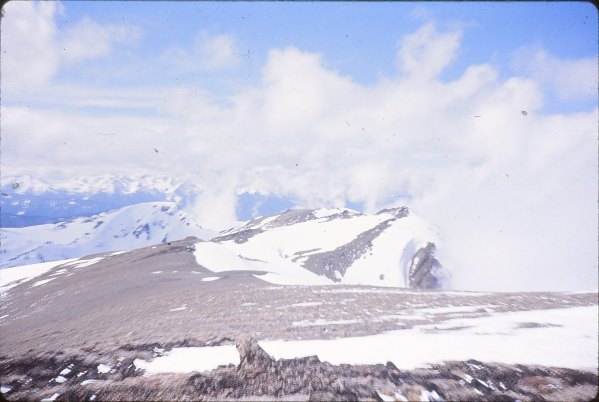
{"x":260,"y":377}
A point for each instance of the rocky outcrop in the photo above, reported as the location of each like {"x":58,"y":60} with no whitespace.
{"x":251,"y":355}
{"x":424,"y":269}
{"x":334,"y":263}
{"x":259,"y":377}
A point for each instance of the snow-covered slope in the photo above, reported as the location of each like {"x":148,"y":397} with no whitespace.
{"x":391,"y":248}
{"x":124,"y":229}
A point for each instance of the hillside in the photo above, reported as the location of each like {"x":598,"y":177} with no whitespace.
{"x":153,"y":324}
{"x":123,"y":229}
{"x":393,"y":247}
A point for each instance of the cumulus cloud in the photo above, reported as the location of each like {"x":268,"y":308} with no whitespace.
{"x":34,"y":48}
{"x":426,"y":52}
{"x":29,"y":43}
{"x":513,"y":194}
{"x":567,"y":78}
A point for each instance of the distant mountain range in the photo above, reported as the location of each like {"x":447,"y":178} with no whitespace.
{"x":391,"y":248}
{"x":127,"y":228}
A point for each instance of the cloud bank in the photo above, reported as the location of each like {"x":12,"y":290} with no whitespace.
{"x":513,"y":190}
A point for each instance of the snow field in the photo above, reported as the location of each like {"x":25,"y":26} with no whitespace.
{"x":217,"y":257}
{"x":319,"y":234}
{"x":391,"y":254}
{"x":187,"y":360}
{"x":281,"y":251}
{"x":569,"y":340}
{"x":11,"y":277}
{"x":566,"y":338}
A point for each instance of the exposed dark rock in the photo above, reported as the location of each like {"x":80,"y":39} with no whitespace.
{"x":398,"y":212}
{"x":260,"y":377}
{"x":241,"y":236}
{"x":251,"y":355}
{"x":333,"y":264}
{"x":423,"y":268}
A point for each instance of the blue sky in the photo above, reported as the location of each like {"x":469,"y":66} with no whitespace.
{"x":358,"y":40}
{"x":255,"y":106}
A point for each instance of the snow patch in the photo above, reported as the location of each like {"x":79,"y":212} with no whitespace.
{"x":11,"y":277}
{"x":572,"y":343}
{"x":210,"y":278}
{"x":60,"y":379}
{"x":104,"y":368}
{"x":307,"y":323}
{"x":42,"y":282}
{"x":385,"y":397}
{"x":306,"y":304}
{"x":187,"y":360}
{"x":218,"y":257}
{"x":451,"y":309}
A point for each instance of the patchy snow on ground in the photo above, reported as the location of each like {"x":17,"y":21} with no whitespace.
{"x":60,"y":379}
{"x":104,"y":368}
{"x":187,"y":360}
{"x":11,"y":277}
{"x":385,"y":397}
{"x":452,"y":309}
{"x":52,"y":398}
{"x":82,"y":263}
{"x":568,"y":339}
{"x":183,"y":307}
{"x":306,"y":304}
{"x":320,"y":321}
{"x":210,"y":278}
{"x":42,"y":282}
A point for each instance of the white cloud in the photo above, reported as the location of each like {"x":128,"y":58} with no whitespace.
{"x":217,"y":51}
{"x":29,"y":43}
{"x":34,"y":49}
{"x":206,"y":53}
{"x":567,"y":78}
{"x":514,"y":195}
{"x":88,"y":39}
{"x":426,"y":52}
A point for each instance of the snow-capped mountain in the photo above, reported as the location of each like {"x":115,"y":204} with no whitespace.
{"x":29,"y":200}
{"x":123,"y":229}
{"x":391,"y":248}
{"x":394,"y":247}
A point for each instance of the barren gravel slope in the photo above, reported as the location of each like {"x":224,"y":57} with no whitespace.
{"x":125,"y":305}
